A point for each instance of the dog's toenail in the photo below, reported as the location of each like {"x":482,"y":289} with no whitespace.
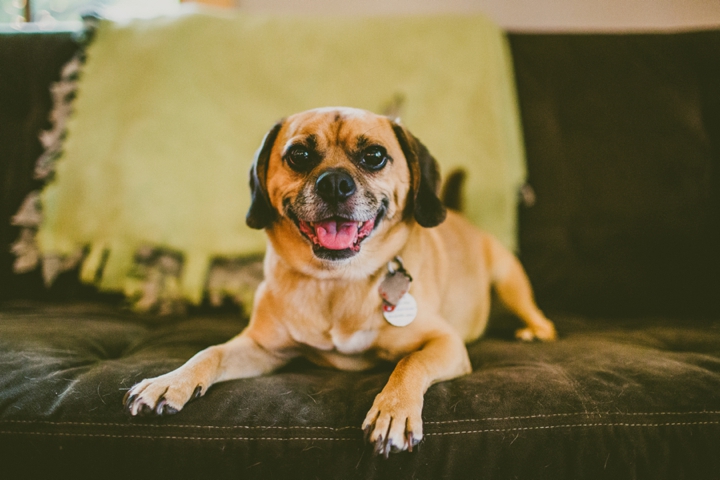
{"x":129,"y":402}
{"x":379,"y":445}
{"x":160,"y":406}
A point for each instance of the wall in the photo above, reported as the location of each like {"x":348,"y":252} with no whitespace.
{"x":527,"y":15}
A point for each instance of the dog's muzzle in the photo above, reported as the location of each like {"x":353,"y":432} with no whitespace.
{"x":335,"y":218}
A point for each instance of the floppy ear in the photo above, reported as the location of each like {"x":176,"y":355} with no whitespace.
{"x":261,"y":214}
{"x":423,"y":202}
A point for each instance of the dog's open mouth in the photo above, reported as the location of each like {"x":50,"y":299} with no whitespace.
{"x":337,"y":238}
{"x":337,"y":233}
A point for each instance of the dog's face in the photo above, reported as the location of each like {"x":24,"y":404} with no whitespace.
{"x":332,"y":186}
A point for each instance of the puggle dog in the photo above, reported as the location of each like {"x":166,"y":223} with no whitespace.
{"x":363,"y":265}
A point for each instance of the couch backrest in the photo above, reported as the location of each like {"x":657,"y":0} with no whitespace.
{"x":29,"y":63}
{"x":623,"y":147}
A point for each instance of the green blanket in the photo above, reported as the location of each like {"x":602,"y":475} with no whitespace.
{"x":169,"y":112}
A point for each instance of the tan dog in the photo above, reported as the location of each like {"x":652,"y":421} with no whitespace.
{"x":348,"y":201}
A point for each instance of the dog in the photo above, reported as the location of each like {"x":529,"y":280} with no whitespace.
{"x":364,"y":264}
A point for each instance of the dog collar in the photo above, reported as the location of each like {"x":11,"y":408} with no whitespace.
{"x":399,"y":307}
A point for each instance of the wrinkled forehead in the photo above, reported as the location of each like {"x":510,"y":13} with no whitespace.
{"x":348,"y":128}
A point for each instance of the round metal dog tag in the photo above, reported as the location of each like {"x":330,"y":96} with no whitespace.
{"x":404,"y":312}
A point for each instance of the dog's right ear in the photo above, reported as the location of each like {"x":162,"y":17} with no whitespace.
{"x":261,"y":213}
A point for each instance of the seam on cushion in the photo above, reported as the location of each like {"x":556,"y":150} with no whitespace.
{"x":581,"y":425}
{"x":161,"y":437}
{"x":337,"y":429}
{"x":556,"y":415}
{"x":209,"y":427}
{"x":464,"y":432}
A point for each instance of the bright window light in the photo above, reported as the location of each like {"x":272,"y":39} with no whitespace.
{"x":48,"y":13}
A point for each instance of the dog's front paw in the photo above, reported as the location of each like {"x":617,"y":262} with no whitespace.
{"x":540,"y":330}
{"x":394,"y":423}
{"x":163,"y":395}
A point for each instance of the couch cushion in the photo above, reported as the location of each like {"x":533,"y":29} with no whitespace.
{"x":623,"y":149}
{"x":611,"y":399}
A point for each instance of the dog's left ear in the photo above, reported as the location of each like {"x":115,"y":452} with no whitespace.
{"x":423,"y":200}
{"x":261,"y":213}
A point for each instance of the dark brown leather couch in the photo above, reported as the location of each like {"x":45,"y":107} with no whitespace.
{"x":622,"y":246}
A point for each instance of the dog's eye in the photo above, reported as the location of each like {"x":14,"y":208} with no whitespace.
{"x":374,"y":158}
{"x":299,"y":158}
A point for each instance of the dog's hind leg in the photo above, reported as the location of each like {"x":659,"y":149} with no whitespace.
{"x":514,"y":290}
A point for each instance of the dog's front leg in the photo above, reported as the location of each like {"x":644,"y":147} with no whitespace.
{"x":394,"y":423}
{"x":240,"y":357}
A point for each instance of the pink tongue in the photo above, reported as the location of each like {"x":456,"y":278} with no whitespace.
{"x":336,"y":235}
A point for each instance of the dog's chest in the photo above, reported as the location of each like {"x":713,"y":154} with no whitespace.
{"x":340,"y":318}
{"x":351,"y":343}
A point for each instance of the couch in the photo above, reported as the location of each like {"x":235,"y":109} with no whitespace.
{"x":619,"y":229}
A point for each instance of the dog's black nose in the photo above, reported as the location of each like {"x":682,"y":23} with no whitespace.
{"x":335,"y":185}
